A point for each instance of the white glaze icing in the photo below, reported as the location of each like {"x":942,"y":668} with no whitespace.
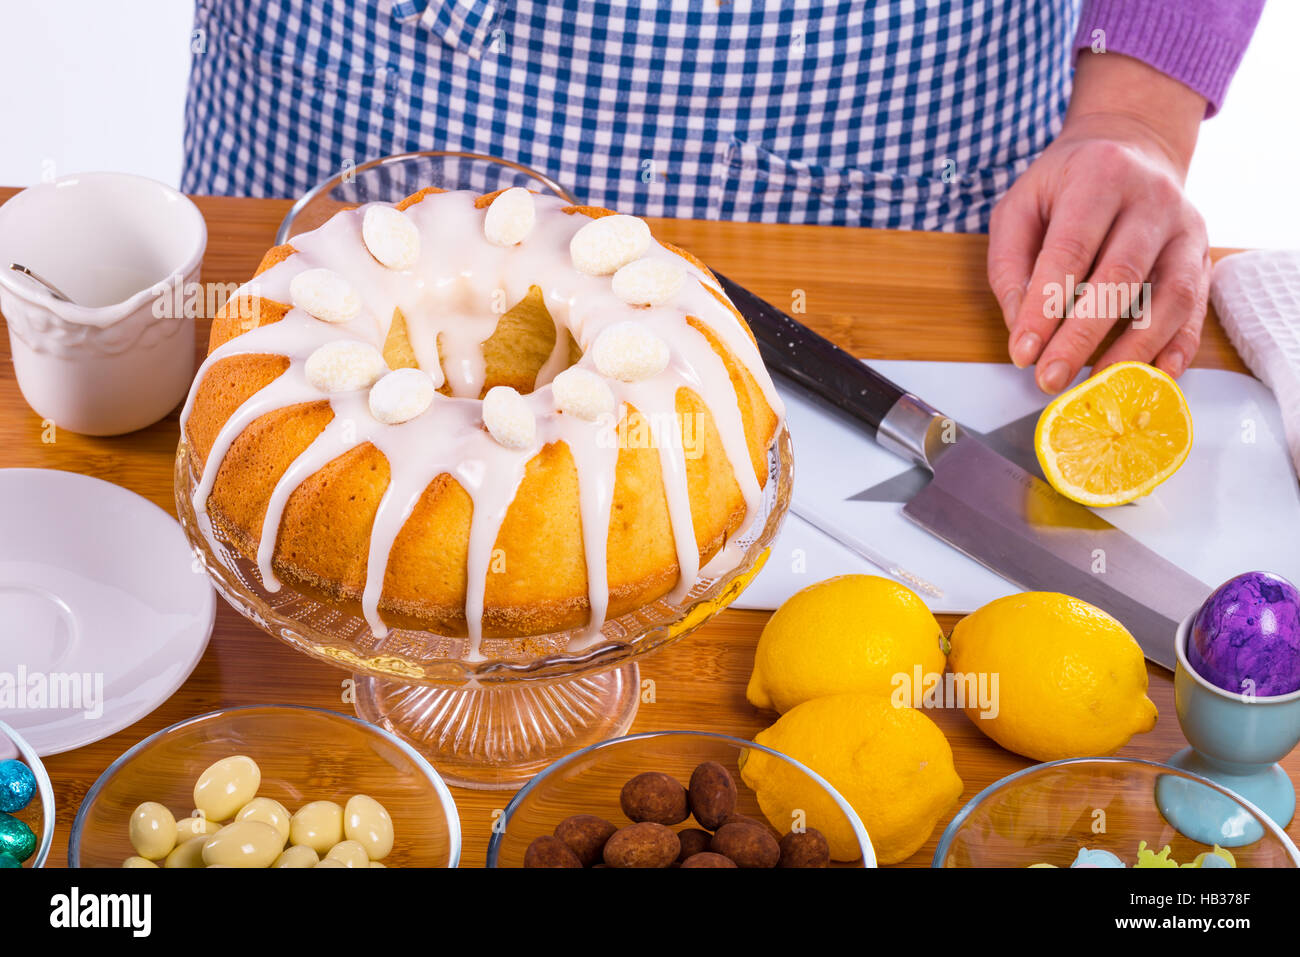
{"x":444,"y":296}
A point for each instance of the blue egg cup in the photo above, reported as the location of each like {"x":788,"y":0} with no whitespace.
{"x":1236,"y":741}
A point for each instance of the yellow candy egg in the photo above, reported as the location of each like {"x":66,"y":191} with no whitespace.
{"x":227,"y":786}
{"x":366,"y":821}
{"x":318,"y":825}
{"x":243,"y":844}
{"x":153,"y":831}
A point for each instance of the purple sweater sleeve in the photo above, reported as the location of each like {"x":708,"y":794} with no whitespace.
{"x":1197,"y":42}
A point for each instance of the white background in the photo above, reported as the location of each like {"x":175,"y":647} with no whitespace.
{"x":89,"y":84}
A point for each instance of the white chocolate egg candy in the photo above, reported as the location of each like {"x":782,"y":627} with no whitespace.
{"x":325,"y":295}
{"x":510,"y":217}
{"x":195,"y":827}
{"x":390,"y":236}
{"x":344,"y":365}
{"x":189,"y":854}
{"x":267,"y":811}
{"x":604,"y":245}
{"x":368,"y":823}
{"x":630,"y":352}
{"x":153,"y":831}
{"x":318,"y":825}
{"x":132,"y":862}
{"x":401,"y":395}
{"x":299,"y":855}
{"x":582,"y":393}
{"x":227,"y":786}
{"x":349,"y":854}
{"x":648,"y":282}
{"x":243,"y":844}
{"x":508,"y":418}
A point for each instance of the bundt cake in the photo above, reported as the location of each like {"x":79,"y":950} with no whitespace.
{"x":495,"y":415}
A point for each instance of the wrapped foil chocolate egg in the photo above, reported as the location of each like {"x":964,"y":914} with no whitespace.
{"x":1246,"y":636}
{"x":17,"y":785}
{"x":16,"y":838}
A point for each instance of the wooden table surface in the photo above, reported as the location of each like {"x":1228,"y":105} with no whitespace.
{"x":877,"y":293}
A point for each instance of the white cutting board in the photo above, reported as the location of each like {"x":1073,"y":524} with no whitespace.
{"x":1234,"y":506}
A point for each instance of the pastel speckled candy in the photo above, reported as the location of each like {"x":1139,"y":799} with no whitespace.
{"x":1149,"y":858}
{"x":1219,"y":857}
{"x":1246,"y":637}
{"x":17,"y":785}
{"x":1096,"y":857}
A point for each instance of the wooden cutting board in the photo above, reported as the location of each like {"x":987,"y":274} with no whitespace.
{"x":876,"y":293}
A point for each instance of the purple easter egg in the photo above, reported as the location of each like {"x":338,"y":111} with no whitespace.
{"x":1246,"y":637}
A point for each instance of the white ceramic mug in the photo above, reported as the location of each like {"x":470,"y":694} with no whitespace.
{"x":120,"y":356}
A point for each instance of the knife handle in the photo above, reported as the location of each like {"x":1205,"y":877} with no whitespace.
{"x":898,"y":420}
{"x":814,"y":362}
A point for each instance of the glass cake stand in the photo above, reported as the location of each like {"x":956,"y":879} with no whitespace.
{"x":495,"y":722}
{"x":492,"y":723}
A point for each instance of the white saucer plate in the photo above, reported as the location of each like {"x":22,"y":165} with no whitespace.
{"x":103,"y":611}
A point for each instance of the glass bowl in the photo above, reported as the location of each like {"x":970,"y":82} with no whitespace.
{"x":306,"y":754}
{"x":13,"y":745}
{"x":1045,"y":813}
{"x":589,"y":782}
{"x":391,"y":178}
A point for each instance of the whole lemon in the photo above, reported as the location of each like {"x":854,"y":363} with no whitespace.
{"x":851,"y":633}
{"x":891,"y":763}
{"x":1068,"y":680}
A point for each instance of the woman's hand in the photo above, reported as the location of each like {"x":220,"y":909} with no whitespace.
{"x":1104,"y":204}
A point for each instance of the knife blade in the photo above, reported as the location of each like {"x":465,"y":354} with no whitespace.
{"x":980,"y":502}
{"x":844,"y":537}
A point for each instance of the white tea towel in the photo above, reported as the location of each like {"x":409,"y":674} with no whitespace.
{"x":1257,"y":296}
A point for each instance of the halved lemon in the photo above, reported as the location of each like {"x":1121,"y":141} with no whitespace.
{"x":1115,"y":437}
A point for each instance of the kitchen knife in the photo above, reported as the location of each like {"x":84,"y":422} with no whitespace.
{"x":980,"y":502}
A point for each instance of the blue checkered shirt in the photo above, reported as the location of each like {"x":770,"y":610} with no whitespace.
{"x":906,"y":114}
